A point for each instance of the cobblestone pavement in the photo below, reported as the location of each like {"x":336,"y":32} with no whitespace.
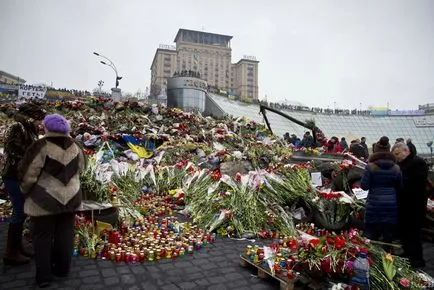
{"x":213,"y":267}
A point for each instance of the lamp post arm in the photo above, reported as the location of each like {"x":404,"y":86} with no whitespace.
{"x":110,"y":64}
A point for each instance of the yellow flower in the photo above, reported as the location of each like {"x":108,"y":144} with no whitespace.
{"x":389,"y":258}
{"x":172,"y":192}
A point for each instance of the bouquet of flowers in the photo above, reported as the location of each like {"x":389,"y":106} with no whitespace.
{"x":332,"y":209}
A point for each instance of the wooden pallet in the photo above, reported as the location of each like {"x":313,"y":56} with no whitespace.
{"x":285,"y":283}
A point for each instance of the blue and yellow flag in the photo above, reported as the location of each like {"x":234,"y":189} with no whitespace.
{"x":135,"y":146}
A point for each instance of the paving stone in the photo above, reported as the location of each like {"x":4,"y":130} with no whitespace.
{"x":198,"y":262}
{"x":111,"y":281}
{"x":238,"y":283}
{"x":233,"y":276}
{"x":6,"y":278}
{"x":183,"y":264}
{"x":104,"y":264}
{"x":218,"y":259}
{"x":187,"y":285}
{"x":169,"y":287}
{"x":108,"y":273}
{"x":138,"y":270}
{"x":218,"y":287}
{"x":128,"y":279}
{"x":92,"y":280}
{"x":13,"y":284}
{"x":134,"y":288}
{"x":153,"y":269}
{"x":175,"y":272}
{"x":123,"y":269}
{"x":156,"y":275}
{"x":166,"y":267}
{"x":90,"y":267}
{"x":230,"y":269}
{"x":25,"y":275}
{"x":193,"y":269}
{"x":90,"y":287}
{"x":215,"y":280}
{"x":149,"y":286}
{"x":193,"y":276}
{"x":260,"y":287}
{"x":75,"y":283}
{"x":88,"y":273}
{"x":209,"y":266}
{"x":202,"y":282}
{"x":174,"y":279}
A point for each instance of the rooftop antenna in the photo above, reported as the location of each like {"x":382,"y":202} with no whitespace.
{"x":203,"y":28}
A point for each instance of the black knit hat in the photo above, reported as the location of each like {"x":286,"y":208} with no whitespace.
{"x":32,"y":111}
{"x":382,"y":145}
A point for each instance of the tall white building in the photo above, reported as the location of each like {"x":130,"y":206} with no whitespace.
{"x":209,"y":55}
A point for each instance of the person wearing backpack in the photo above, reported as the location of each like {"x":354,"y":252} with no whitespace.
{"x":20,"y":136}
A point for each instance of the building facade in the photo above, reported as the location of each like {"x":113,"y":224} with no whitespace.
{"x":186,"y":93}
{"x":209,"y":55}
{"x":7,"y":78}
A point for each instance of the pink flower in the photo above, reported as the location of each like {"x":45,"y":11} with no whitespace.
{"x":404,"y":282}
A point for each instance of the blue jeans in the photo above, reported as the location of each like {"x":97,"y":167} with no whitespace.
{"x":12,"y":186}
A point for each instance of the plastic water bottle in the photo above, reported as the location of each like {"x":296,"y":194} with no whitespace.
{"x":361,"y":272}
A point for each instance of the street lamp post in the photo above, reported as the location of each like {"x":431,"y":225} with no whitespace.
{"x":429,"y":144}
{"x":109,"y":63}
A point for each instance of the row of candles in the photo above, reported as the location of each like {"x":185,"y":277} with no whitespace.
{"x":149,"y":240}
{"x":281,"y":265}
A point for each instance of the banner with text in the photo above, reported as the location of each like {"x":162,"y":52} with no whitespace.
{"x":425,"y":122}
{"x":407,"y":113}
{"x":31,"y":92}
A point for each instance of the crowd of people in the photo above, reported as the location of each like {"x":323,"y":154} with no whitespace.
{"x":41,"y":176}
{"x":396,"y":179}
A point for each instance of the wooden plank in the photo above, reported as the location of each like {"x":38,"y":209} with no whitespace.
{"x":285,"y":283}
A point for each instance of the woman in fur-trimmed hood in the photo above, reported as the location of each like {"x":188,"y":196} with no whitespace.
{"x":18,"y":138}
{"x":382,"y":177}
{"x":50,"y":181}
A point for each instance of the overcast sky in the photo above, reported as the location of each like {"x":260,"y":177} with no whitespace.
{"x":320,"y":52}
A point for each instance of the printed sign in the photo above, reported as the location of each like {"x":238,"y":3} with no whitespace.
{"x":407,"y":113}
{"x":424,"y":123}
{"x":31,"y":92}
{"x":316,"y":179}
{"x":360,"y":193}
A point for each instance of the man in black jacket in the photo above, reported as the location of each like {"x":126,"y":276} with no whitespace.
{"x":412,"y":200}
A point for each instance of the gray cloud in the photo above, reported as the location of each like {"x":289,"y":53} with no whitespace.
{"x":315,"y":52}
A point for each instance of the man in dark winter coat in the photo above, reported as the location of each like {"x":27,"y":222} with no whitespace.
{"x":358,"y":150}
{"x":412,"y":200}
{"x":411,"y":147}
{"x":382,"y":177}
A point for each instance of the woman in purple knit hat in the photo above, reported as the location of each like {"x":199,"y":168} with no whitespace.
{"x":50,"y":181}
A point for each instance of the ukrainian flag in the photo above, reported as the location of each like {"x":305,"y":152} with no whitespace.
{"x":135,"y":146}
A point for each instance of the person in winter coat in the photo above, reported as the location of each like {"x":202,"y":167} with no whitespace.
{"x":412,"y":202}
{"x":50,"y":182}
{"x":358,"y":150}
{"x":382,"y":177}
{"x":344,"y":144}
{"x":20,"y":136}
{"x":411,"y":147}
